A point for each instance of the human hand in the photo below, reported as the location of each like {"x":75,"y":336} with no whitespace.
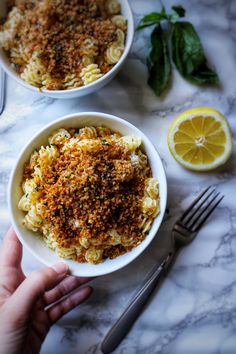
{"x":30,"y":306}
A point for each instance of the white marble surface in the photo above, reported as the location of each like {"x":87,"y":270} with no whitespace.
{"x":195,"y":310}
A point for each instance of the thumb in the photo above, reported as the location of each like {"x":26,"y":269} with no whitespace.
{"x":24,"y":299}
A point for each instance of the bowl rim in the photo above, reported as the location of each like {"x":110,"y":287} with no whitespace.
{"x":44,"y":129}
{"x":81,"y":89}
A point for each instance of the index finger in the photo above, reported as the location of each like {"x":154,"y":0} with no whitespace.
{"x":11,"y":252}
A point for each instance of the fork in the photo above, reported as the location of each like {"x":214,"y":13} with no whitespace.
{"x":184,"y":231}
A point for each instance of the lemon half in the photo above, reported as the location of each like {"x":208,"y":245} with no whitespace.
{"x":200,"y":139}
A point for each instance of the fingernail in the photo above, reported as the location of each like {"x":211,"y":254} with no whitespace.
{"x":60,"y":267}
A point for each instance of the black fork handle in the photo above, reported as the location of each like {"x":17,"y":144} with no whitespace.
{"x":130,"y":315}
{"x":2,"y":90}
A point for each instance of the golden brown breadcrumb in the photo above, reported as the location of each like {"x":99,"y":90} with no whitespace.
{"x":56,"y":29}
{"x":98,"y":187}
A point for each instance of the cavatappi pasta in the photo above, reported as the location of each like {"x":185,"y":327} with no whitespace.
{"x":54,"y":51}
{"x":90,"y":193}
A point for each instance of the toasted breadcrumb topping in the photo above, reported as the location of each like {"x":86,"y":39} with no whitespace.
{"x":56,"y":31}
{"x":98,"y":188}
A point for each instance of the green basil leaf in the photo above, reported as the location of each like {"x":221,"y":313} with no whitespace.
{"x":188,"y":55}
{"x":152,"y":19}
{"x":180,"y":11}
{"x":159,"y":62}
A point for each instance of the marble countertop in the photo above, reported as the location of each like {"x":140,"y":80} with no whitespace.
{"x":195,"y":309}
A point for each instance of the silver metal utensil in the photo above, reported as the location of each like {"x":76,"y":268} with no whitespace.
{"x":183,"y":232}
{"x":2,"y":90}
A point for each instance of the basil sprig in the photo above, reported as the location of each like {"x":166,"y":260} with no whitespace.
{"x":187,"y":51}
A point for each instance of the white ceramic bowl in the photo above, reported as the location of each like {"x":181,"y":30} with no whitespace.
{"x":84,"y":90}
{"x":36,"y":245}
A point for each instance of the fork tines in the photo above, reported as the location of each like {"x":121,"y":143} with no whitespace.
{"x":200,"y":209}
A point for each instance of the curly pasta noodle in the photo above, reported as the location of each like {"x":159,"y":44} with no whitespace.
{"x":120,"y":22}
{"x":72,"y":81}
{"x":19,"y":56}
{"x":35,"y":72}
{"x":90,"y":74}
{"x":115,"y":51}
{"x":51,"y":50}
{"x":114,"y":54}
{"x":89,"y":193}
{"x":113,"y":7}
